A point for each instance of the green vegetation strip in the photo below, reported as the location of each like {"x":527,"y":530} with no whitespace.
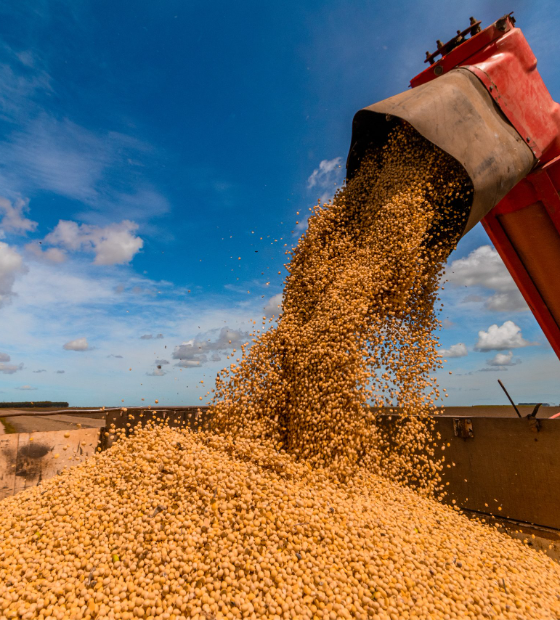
{"x":8,"y":426}
{"x":38,"y":404}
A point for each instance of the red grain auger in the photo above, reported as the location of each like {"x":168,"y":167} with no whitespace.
{"x":483,"y":101}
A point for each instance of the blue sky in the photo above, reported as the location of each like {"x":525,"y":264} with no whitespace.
{"x":153,"y":158}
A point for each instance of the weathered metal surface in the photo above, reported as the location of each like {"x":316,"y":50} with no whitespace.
{"x":191,"y":417}
{"x":462,"y":427}
{"x":457,"y":114}
{"x":505,"y":464}
{"x":443,"y":49}
{"x":27,"y":459}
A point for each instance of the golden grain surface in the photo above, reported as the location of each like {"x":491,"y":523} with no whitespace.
{"x":173,"y":524}
{"x":295,"y":504}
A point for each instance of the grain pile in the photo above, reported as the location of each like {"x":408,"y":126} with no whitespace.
{"x":170,"y":524}
{"x":357,"y":329}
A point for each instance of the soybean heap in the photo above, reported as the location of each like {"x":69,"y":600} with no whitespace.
{"x":296,"y":505}
{"x":357,"y":334}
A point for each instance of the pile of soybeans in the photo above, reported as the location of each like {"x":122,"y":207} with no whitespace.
{"x":296,"y":504}
{"x":172,"y":524}
{"x":356,"y":338}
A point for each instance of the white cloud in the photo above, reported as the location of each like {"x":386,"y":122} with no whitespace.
{"x":151,"y":337}
{"x":102,"y":170}
{"x":483,"y":267}
{"x":511,"y":301}
{"x":4,"y":357}
{"x":156,"y":372}
{"x":326,"y":174}
{"x":11,"y":265}
{"x":455,"y":350}
{"x":192,"y":363}
{"x":49,"y":255}
{"x":115,"y":244}
{"x":273,"y":306}
{"x":13,"y":218}
{"x":10,"y":369}
{"x":506,"y":336}
{"x":503,"y":359}
{"x":80,"y":344}
{"x":26,"y":388}
{"x":194,"y":353}
{"x":19,"y":89}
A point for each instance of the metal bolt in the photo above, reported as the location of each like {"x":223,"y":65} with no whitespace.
{"x":501,"y":24}
{"x":438,"y":70}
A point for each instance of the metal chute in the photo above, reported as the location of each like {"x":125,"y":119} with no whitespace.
{"x":456,"y":113}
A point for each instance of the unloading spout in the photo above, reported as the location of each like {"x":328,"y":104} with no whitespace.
{"x":484,"y":103}
{"x":457,"y":114}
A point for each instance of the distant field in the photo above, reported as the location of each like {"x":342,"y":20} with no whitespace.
{"x":64,"y":420}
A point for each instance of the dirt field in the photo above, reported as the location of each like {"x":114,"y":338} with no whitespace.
{"x":34,"y":423}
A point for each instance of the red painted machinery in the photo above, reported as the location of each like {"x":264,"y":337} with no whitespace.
{"x":484,"y":102}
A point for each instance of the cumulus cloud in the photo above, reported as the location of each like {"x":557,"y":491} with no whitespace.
{"x":156,"y":372}
{"x":49,"y":255}
{"x":483,"y":267}
{"x":11,"y":265}
{"x":10,"y":369}
{"x":115,"y":244}
{"x":80,"y":344}
{"x":455,"y":350}
{"x":502,"y":338}
{"x":40,"y":370}
{"x":273,"y":306}
{"x":4,"y":357}
{"x":162,"y":362}
{"x":26,"y":388}
{"x":151,"y":337}
{"x":60,"y":372}
{"x":503,"y":359}
{"x":13,"y":216}
{"x":328,"y":172}
{"x":194,"y":353}
{"x":512,"y":301}
{"x":116,"y":356}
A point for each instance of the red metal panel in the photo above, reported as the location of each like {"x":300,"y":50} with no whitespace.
{"x":524,"y":226}
{"x":537,"y":186}
{"x":511,"y":77}
{"x":506,"y":65}
{"x":547,"y":193}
